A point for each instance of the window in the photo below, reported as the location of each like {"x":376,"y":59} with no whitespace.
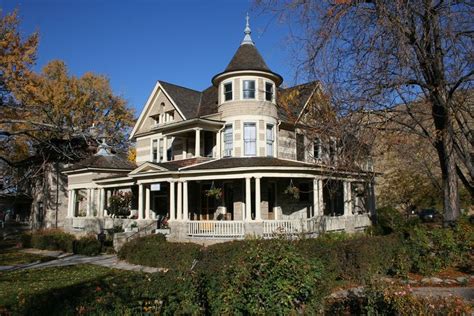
{"x":228,"y":143}
{"x":250,"y":139}
{"x":333,"y":151}
{"x":228,"y":91}
{"x":270,"y":140}
{"x":317,"y":150}
{"x":269,"y":91}
{"x":300,"y":147}
{"x":154,"y":150}
{"x":160,"y":150}
{"x":249,"y":89}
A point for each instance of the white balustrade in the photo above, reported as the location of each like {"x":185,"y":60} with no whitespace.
{"x":361,"y":221}
{"x":216,"y":229}
{"x":284,"y":227}
{"x":334,"y":223}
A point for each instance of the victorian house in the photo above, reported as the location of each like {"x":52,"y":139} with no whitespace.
{"x":223,"y":163}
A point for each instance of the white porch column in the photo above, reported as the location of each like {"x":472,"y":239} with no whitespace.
{"x":89,"y":203}
{"x":147,"y":202}
{"x":101,"y":202}
{"x":347,"y":199}
{"x":185,"y":201}
{"x":165,"y":149}
{"x":258,"y":212}
{"x":248,"y":202}
{"x":320,"y":197}
{"x":218,"y":144}
{"x":69,"y":203}
{"x":315,"y":197}
{"x":184,"y":144}
{"x":140,"y":201}
{"x":197,"y":144}
{"x":180,"y":201}
{"x":172,"y":202}
{"x":73,"y":203}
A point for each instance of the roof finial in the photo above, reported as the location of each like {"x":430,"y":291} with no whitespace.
{"x":247,"y":39}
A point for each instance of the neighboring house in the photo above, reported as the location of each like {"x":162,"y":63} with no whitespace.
{"x":222,"y":163}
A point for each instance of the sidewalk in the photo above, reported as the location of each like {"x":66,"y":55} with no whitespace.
{"x":68,"y":259}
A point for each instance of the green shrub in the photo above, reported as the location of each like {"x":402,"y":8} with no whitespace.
{"x":88,"y":246}
{"x":155,"y":251}
{"x":25,"y":240}
{"x":388,"y":220}
{"x":49,"y":239}
{"x":269,"y":277}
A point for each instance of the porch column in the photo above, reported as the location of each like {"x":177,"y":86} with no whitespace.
{"x":258,"y":212}
{"x":165,"y":149}
{"x":102,"y":202}
{"x":218,"y":145}
{"x":197,"y":144}
{"x":69,"y":205}
{"x":184,"y":146}
{"x":320,"y":197}
{"x":140,"y":201}
{"x":248,"y":203}
{"x":347,"y":199}
{"x":73,"y":203}
{"x":106,"y":202}
{"x":147,"y":202}
{"x":185,"y":201}
{"x":315,"y":197}
{"x":89,"y":203}
{"x":180,"y":201}
{"x":97,"y":203}
{"x":172,"y":202}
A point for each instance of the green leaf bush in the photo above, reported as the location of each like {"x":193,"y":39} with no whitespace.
{"x":49,"y":239}
{"x":88,"y":246}
{"x":155,"y":251}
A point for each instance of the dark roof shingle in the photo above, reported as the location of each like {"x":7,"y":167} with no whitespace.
{"x":186,"y":99}
{"x":228,"y":163}
{"x":112,"y":162}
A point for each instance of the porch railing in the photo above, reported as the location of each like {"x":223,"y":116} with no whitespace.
{"x":284,"y":227}
{"x":216,"y":229}
{"x":334,"y":223}
{"x":361,"y":221}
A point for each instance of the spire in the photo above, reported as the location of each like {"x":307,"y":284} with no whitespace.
{"x":247,"y":39}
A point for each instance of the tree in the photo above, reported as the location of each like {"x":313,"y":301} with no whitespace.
{"x":373,"y":56}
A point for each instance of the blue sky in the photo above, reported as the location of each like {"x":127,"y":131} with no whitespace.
{"x":135,"y":43}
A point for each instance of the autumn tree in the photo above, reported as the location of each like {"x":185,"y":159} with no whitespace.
{"x":373,"y":56}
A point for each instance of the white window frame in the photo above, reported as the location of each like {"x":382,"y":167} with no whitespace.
{"x":157,"y":139}
{"x":223,"y":90}
{"x":272,"y":153}
{"x":265,"y":92}
{"x":231,"y":141}
{"x":242,"y":88}
{"x":254,"y":123}
{"x":318,"y":142}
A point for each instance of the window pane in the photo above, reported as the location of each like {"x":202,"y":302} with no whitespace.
{"x":270,"y":140}
{"x":228,"y":91}
{"x":249,"y":89}
{"x":268,"y":91}
{"x":228,"y":144}
{"x":154,"y":150}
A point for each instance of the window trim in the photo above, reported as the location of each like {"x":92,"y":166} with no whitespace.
{"x":255,"y":80}
{"x":272,"y":154}
{"x":231,"y":140}
{"x":254,"y":123}
{"x":273,"y":91}
{"x":231,"y":91}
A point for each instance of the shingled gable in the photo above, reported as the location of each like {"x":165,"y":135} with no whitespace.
{"x":300,"y":96}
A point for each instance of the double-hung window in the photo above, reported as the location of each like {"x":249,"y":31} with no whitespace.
{"x":250,"y":139}
{"x":228,"y":143}
{"x":269,"y":91}
{"x":228,"y":91}
{"x":160,"y":150}
{"x":248,"y":89}
{"x":318,"y":149}
{"x":154,"y":150}
{"x":270,"y":140}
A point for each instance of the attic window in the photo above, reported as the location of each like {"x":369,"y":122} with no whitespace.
{"x":249,"y":89}
{"x":228,"y":91}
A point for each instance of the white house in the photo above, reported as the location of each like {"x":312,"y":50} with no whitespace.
{"x":223,"y":163}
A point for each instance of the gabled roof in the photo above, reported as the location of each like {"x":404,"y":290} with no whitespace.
{"x":186,"y":99}
{"x":292,"y":101}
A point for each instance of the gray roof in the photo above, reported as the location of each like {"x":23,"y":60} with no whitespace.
{"x":228,"y":163}
{"x":112,"y":162}
{"x":247,"y":57}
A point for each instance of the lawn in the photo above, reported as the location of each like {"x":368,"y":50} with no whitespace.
{"x":87,"y":289}
{"x":13,"y":257}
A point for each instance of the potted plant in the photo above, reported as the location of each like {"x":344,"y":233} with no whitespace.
{"x":119,"y":204}
{"x":134,"y":227}
{"x":214,"y":193}
{"x":292,"y":191}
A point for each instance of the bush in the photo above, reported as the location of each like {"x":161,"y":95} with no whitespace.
{"x":155,"y":251}
{"x":50,"y":239}
{"x":269,"y":277}
{"x":388,"y":220}
{"x":88,"y":246}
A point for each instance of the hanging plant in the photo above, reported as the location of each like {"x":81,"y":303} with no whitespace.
{"x":215,"y":193}
{"x":292,"y":191}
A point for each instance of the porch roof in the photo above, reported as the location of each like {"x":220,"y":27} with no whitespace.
{"x":226,"y":163}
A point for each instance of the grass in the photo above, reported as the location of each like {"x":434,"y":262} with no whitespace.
{"x":12,"y":257}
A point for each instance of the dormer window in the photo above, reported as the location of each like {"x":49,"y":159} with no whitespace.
{"x":248,"y":89}
{"x":228,"y":91}
{"x":269,"y":91}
